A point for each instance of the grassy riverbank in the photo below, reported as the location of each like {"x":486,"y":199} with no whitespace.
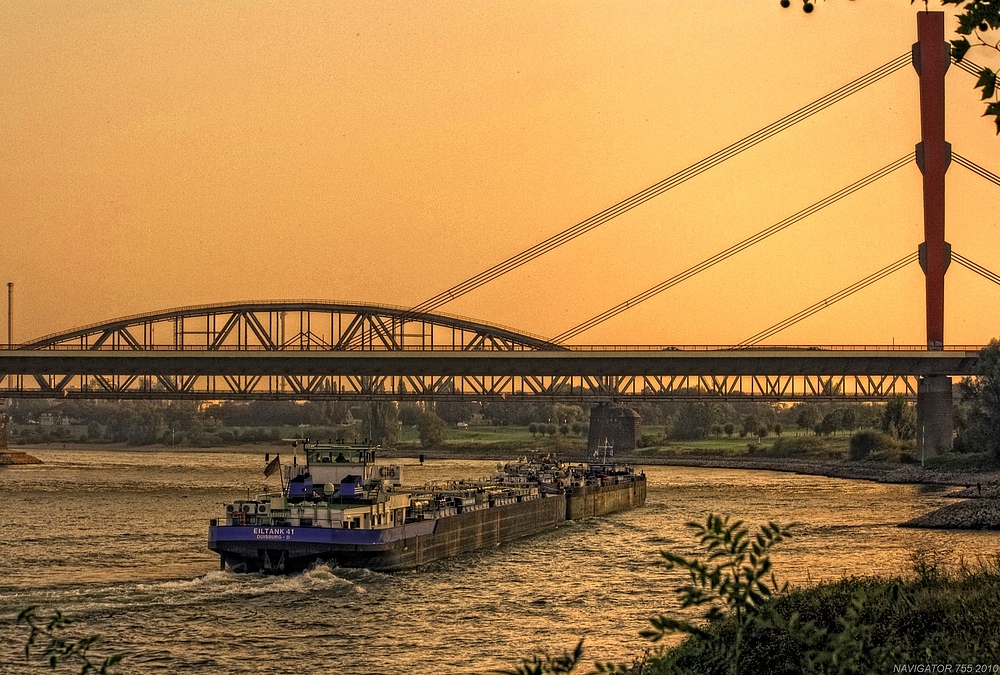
{"x":862,"y":624}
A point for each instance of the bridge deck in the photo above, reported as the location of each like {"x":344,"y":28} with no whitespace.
{"x":490,"y":363}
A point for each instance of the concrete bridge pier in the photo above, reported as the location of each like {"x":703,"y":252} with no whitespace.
{"x":934,"y":415}
{"x":617,"y":425}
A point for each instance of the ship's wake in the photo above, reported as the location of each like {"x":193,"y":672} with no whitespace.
{"x":211,"y":588}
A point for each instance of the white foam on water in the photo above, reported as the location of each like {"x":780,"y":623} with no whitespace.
{"x":212,"y":587}
{"x":320,"y":577}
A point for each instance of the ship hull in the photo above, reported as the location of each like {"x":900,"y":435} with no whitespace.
{"x":285,"y":549}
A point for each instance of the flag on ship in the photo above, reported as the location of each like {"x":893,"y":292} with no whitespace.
{"x":272,"y":466}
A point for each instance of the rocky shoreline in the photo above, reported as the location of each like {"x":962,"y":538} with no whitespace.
{"x":979,"y":508}
{"x":879,"y":472}
{"x":13,"y":457}
{"x":968,"y":514}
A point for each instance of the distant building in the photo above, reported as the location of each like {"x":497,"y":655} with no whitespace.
{"x":48,"y":419}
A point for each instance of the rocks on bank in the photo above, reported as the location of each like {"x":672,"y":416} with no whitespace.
{"x":968,"y":514}
{"x":978,"y":510}
{"x":9,"y":457}
{"x":879,"y":472}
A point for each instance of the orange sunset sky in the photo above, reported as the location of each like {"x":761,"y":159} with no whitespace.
{"x":159,"y":154}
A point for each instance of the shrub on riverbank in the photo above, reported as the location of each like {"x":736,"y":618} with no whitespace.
{"x":964,"y":462}
{"x":869,"y":444}
{"x":798,"y":446}
{"x":862,"y":624}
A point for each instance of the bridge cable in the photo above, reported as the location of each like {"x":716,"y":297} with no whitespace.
{"x":975,"y":168}
{"x":652,"y":191}
{"x":976,"y":267}
{"x":969,"y":67}
{"x":836,"y":297}
{"x":732,"y":250}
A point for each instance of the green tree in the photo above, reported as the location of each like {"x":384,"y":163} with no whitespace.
{"x":334,"y":412}
{"x":808,"y":416}
{"x":978,"y":20}
{"x":831,"y":422}
{"x":409,"y":413}
{"x":380,"y":422}
{"x":136,"y":423}
{"x":431,"y":429}
{"x":454,"y":412}
{"x":981,"y":400}
{"x":565,"y":414}
{"x":693,"y":420}
{"x":898,"y":418}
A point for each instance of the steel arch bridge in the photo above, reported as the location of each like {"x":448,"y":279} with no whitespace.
{"x":339,"y":351}
{"x":297,"y":325}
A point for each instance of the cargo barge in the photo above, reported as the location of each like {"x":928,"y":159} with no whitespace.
{"x":343,"y":508}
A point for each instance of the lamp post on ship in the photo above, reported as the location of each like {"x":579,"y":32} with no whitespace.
{"x":10,"y":315}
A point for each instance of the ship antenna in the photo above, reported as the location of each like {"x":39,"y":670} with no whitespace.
{"x":606,"y":446}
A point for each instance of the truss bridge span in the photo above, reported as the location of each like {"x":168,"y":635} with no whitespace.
{"x":338,"y":351}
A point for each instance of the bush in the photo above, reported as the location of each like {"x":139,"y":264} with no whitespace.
{"x":799,"y":446}
{"x":856,"y":625}
{"x":431,"y":429}
{"x":868,"y":443}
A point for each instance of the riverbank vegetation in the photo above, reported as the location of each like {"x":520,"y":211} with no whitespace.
{"x":670,"y":423}
{"x":738,"y":618}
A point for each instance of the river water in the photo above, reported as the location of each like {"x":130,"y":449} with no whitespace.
{"x":117,"y":540}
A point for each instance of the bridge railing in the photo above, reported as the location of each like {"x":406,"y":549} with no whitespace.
{"x":450,"y":348}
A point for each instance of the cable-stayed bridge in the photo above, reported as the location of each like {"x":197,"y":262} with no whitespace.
{"x":298,"y":350}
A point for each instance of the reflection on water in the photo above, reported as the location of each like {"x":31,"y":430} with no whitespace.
{"x":118,"y":539}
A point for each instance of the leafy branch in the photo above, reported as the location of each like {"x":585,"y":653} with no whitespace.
{"x":977,"y":19}
{"x":545,"y":664}
{"x":735,"y":580}
{"x":57,"y":650}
